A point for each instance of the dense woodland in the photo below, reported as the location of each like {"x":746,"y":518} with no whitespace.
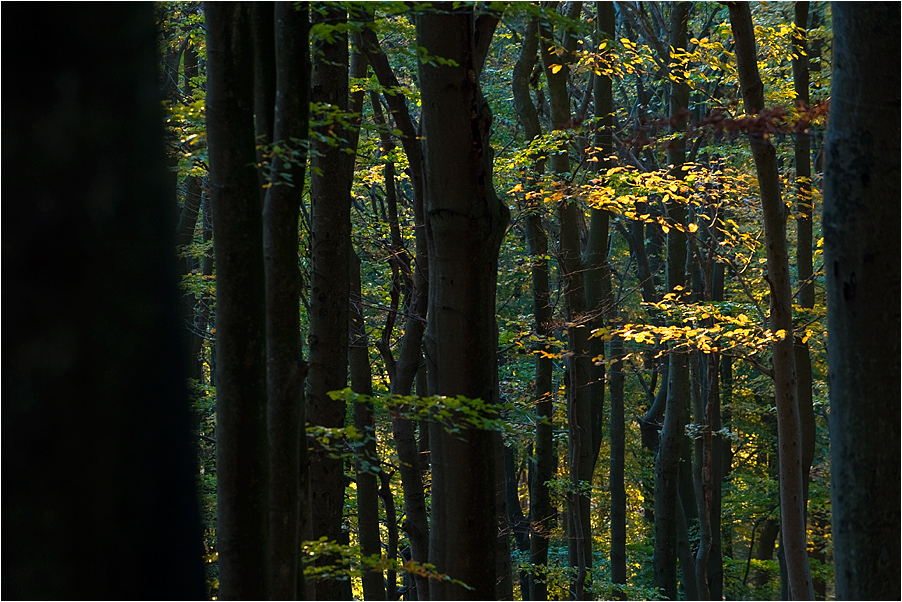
{"x":489,"y":301}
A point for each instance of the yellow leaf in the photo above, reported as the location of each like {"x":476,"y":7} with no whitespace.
{"x":556,"y":68}
{"x":693,"y":227}
{"x":517,"y":188}
{"x":665,"y":228}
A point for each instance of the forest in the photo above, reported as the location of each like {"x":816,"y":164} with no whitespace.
{"x":453,"y":301}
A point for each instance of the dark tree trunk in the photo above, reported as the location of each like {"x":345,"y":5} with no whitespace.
{"x":410,"y":358}
{"x":789,"y":431}
{"x":580,"y":417}
{"x":464,"y":227}
{"x":330,"y":288}
{"x":100,"y":499}
{"x":670,"y":448}
{"x":861,"y":238}
{"x":285,"y":368}
{"x":367,"y":462}
{"x":241,"y":460}
{"x":541,"y":513}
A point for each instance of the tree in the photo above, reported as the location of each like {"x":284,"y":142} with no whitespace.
{"x":465,"y":222}
{"x":285,"y":367}
{"x":861,"y":237}
{"x":329,"y":279}
{"x":242,"y":463}
{"x":789,"y":429}
{"x":99,"y":496}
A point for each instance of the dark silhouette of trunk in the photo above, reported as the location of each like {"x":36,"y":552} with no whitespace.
{"x":789,"y":431}
{"x":99,"y":469}
{"x":329,"y":284}
{"x":861,"y":259}
{"x":285,"y":367}
{"x":541,"y":513}
{"x":676,"y":414}
{"x":403,"y":371}
{"x":241,"y":432}
{"x":465,"y":224}
{"x":804,"y":247}
{"x":579,"y":411}
{"x":517,"y":522}
{"x":367,"y":461}
{"x":262,"y":19}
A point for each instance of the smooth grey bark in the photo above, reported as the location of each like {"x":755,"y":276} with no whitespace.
{"x":465,"y":222}
{"x":329,"y":286}
{"x":99,"y":467}
{"x":241,"y":450}
{"x":285,"y":367}
{"x":861,"y":242}
{"x":789,"y":431}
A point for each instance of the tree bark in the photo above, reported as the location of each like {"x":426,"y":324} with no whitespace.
{"x":541,"y":513}
{"x":367,"y":461}
{"x":580,"y":418}
{"x":100,"y":498}
{"x":285,"y":367}
{"x":676,"y":414}
{"x":861,"y":241}
{"x":329,"y":282}
{"x":241,"y":459}
{"x":789,"y":432}
{"x":465,"y":224}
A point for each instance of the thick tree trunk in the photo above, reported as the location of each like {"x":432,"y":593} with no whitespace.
{"x":285,"y":366}
{"x":329,"y":282}
{"x":465,"y":224}
{"x":241,"y":461}
{"x":789,"y":432}
{"x":861,"y":239}
{"x":100,"y":499}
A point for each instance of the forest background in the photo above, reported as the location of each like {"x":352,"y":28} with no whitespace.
{"x":559,"y":274}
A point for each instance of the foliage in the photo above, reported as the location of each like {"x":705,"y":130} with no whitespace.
{"x":636,"y":186}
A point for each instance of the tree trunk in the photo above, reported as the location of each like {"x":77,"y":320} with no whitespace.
{"x":676,"y":414}
{"x":367,"y":462}
{"x":284,"y":361}
{"x":789,"y":432}
{"x":410,"y":357}
{"x":579,"y":412}
{"x":464,"y":227}
{"x":329,"y":282}
{"x":100,"y":498}
{"x":861,"y":238}
{"x":541,"y":513}
{"x":241,"y":459}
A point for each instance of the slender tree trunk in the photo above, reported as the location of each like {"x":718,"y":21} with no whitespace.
{"x":789,"y":432}
{"x":367,"y":462}
{"x":541,"y":513}
{"x":670,"y":448}
{"x":285,"y":368}
{"x":410,"y":356}
{"x":329,"y":281}
{"x":580,"y":419}
{"x":241,"y":458}
{"x":861,"y":239}
{"x":465,"y":224}
{"x":99,"y":470}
